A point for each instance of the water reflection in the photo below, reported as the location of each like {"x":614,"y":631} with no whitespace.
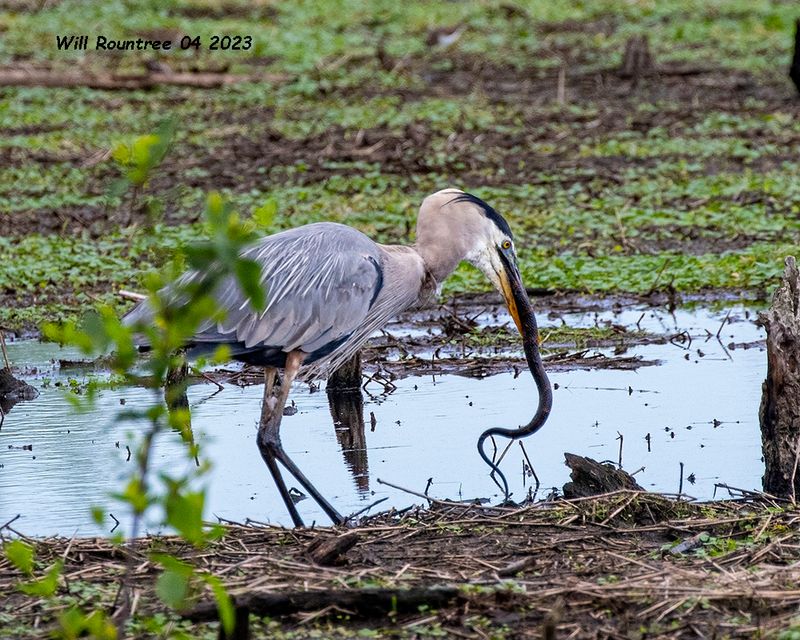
{"x":347,"y":411}
{"x":698,"y":409}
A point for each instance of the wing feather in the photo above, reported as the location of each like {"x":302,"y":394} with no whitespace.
{"x":320,"y":281}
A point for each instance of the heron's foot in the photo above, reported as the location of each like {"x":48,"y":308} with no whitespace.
{"x":270,"y":449}
{"x":272,"y":452}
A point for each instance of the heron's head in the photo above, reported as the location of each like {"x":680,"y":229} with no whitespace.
{"x":454,"y":226}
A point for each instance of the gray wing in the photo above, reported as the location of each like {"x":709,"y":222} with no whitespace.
{"x":320,"y":280}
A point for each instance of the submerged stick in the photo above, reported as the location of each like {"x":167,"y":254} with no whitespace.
{"x":5,"y":353}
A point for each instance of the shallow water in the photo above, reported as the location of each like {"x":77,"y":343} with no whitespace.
{"x":701,"y":411}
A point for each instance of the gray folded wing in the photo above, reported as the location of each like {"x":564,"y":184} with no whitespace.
{"x":320,"y":282}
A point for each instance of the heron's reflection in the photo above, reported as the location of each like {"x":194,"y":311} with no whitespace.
{"x":345,"y":400}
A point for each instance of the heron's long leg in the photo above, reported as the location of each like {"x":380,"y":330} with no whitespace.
{"x":269,"y":404}
{"x":269,"y":443}
{"x":287,"y":462}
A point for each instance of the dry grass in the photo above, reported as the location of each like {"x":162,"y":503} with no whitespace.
{"x":598,"y":567}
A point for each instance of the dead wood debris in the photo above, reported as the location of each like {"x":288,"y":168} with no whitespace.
{"x":603,"y":562}
{"x":779,"y":413}
{"x":591,"y":478}
{"x":330,"y":551}
{"x":25,"y":77}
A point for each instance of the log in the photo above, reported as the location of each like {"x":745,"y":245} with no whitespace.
{"x":779,"y":413}
{"x":330,"y":551}
{"x":360,"y":602}
{"x":794,"y":69}
{"x":13,"y":391}
{"x":47,"y":78}
{"x":592,"y":478}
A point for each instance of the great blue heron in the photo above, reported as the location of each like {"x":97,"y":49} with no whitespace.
{"x":329,"y":287}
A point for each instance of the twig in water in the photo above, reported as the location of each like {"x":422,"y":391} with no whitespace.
{"x":5,"y":353}
{"x":727,"y":353}
{"x":365,"y":509}
{"x":680,"y":482}
{"x":428,"y":486}
{"x":446,"y":503}
{"x":10,"y":522}
{"x":727,"y":315}
{"x":620,"y":438}
{"x":116,"y":522}
{"x":530,"y":466}
{"x":207,"y":377}
{"x":747,"y":493}
{"x":503,"y":455}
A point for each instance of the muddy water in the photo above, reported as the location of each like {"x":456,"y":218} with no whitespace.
{"x":699,"y":408}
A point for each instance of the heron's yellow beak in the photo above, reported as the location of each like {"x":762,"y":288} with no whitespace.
{"x":512,"y":288}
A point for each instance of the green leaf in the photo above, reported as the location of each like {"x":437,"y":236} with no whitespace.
{"x":134,"y":495}
{"x":172,"y":588}
{"x":221,"y":354}
{"x":265,"y":214}
{"x":45,"y":586}
{"x":248,"y":273}
{"x":75,"y":624}
{"x":227,"y":613}
{"x":185,"y":513}
{"x":20,"y":554}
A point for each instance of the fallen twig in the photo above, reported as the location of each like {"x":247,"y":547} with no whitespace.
{"x":131,"y":295}
{"x":48,"y":78}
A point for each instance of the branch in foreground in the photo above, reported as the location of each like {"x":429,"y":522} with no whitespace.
{"x":362,"y":602}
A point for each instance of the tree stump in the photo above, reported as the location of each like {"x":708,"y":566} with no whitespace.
{"x":347,"y":377}
{"x":779,"y":413}
{"x":592,"y":478}
{"x":175,"y":385}
{"x":637,"y":61}
{"x":13,"y":391}
{"x":794,"y":70}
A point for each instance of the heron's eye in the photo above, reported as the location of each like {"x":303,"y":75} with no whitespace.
{"x":506,"y":244}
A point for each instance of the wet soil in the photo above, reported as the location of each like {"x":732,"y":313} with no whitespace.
{"x":473,"y":336}
{"x":680,"y":98}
